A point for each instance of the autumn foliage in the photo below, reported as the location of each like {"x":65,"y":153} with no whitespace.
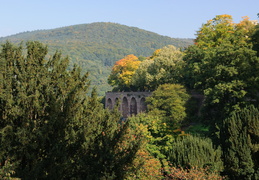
{"x":123,"y":71}
{"x":192,"y":173}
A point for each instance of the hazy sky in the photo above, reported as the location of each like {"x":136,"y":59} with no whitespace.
{"x":181,"y":18}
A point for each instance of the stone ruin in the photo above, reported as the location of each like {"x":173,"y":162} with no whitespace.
{"x":130,"y":103}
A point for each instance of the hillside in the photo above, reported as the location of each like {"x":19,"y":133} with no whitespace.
{"x":96,"y":46}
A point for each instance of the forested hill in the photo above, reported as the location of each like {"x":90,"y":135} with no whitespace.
{"x":96,"y":46}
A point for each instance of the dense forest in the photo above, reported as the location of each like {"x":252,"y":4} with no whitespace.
{"x":53,"y":126}
{"x":96,"y":47}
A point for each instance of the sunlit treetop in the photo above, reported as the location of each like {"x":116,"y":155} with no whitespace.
{"x":222,"y":29}
{"x":123,"y":71}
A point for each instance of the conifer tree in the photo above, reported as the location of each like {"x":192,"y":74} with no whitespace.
{"x":191,"y":151}
{"x":241,"y":144}
{"x":49,"y":127}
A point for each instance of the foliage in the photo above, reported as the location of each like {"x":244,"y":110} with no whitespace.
{"x":241,"y":144}
{"x":122,"y":72}
{"x":169,"y":100}
{"x":145,"y":165}
{"x":255,"y":40}
{"x":223,"y":66}
{"x":49,"y":127}
{"x":221,"y":29}
{"x":148,"y":166}
{"x":156,"y":133}
{"x":160,"y":125}
{"x":141,"y":77}
{"x":7,"y":170}
{"x":192,"y":174}
{"x":95,"y":47}
{"x":193,"y":151}
{"x":176,"y":148}
{"x":163,"y":67}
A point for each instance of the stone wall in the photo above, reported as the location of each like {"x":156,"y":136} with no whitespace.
{"x":131,"y":103}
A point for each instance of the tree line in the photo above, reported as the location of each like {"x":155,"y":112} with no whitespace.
{"x":96,"y":46}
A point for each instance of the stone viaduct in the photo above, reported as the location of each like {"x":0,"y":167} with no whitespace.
{"x":131,"y":103}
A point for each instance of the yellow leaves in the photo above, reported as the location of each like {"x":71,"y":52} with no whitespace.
{"x":222,"y":29}
{"x":123,"y":70}
{"x":155,"y":54}
{"x":245,"y":18}
{"x":226,"y":16}
{"x":148,"y":166}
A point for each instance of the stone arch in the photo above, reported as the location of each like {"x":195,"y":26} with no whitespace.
{"x":109,"y":103}
{"x":142,"y":105}
{"x":133,"y":106}
{"x":125,"y":107}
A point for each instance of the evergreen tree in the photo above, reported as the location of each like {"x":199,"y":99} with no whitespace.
{"x":192,"y":151}
{"x":241,"y":144}
{"x":49,"y":127}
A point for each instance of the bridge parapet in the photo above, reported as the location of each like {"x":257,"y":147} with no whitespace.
{"x":131,"y":103}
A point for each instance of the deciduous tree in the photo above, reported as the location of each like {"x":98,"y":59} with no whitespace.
{"x":170,"y":101}
{"x":163,"y":67}
{"x":122,"y":72}
{"x":223,"y":66}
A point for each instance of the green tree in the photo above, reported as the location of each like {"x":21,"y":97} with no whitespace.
{"x":49,"y":127}
{"x":169,"y":100}
{"x":223,"y":66}
{"x":241,"y":144}
{"x":166,"y":110}
{"x":163,"y":67}
{"x":193,"y":151}
{"x":141,"y":78}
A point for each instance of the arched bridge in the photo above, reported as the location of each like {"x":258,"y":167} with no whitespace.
{"x":131,"y":103}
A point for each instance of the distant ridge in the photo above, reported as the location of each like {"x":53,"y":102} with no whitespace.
{"x":96,"y":46}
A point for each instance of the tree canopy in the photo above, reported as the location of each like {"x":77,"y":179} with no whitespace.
{"x":223,"y":65}
{"x":161,"y":68}
{"x":122,"y":72}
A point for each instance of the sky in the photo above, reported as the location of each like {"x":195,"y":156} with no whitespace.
{"x":173,"y":18}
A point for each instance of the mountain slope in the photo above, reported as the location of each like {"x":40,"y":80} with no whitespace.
{"x":96,"y":46}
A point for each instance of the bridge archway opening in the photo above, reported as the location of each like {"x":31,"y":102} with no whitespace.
{"x":125,"y":107}
{"x":133,"y":106}
{"x":109,"y":103}
{"x":143,"y":105}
